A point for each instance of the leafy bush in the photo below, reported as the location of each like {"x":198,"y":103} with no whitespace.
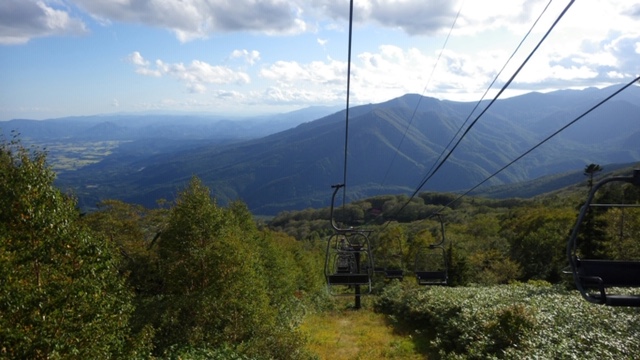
{"x":518,"y":321}
{"x":191,"y":353}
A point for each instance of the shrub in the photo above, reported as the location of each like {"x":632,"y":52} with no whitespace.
{"x":517,"y":321}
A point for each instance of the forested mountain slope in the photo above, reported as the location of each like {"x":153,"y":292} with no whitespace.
{"x":391,"y":148}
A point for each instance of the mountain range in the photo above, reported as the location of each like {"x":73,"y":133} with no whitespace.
{"x":391,"y":147}
{"x":185,"y":126}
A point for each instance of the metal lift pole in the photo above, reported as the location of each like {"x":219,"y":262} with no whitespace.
{"x":357,"y":305}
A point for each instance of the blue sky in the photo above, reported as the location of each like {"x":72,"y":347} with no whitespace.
{"x":246,"y":57}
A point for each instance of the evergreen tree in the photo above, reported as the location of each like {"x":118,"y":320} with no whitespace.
{"x":590,"y":170}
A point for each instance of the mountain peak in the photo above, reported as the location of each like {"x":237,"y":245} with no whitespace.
{"x":391,"y":148}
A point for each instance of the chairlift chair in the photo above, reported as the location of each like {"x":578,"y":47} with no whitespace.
{"x":348,"y":265}
{"x":390,"y":272}
{"x":392,"y":264}
{"x":596,"y":278}
{"x":394,"y":273}
{"x":431,"y":265}
{"x":348,"y":259}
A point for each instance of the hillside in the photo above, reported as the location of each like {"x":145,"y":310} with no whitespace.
{"x":199,"y":281}
{"x":392,"y":146}
{"x":293,"y":169}
{"x":563,"y":182}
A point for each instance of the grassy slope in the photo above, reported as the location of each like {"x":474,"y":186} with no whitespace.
{"x":363,"y":334}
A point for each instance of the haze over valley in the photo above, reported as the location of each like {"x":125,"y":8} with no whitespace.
{"x":288,"y":161}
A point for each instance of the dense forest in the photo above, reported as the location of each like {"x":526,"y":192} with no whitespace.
{"x":192,"y":279}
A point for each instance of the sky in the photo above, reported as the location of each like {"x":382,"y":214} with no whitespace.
{"x":249,"y":57}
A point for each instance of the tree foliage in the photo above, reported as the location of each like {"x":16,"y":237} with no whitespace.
{"x":226,"y":283}
{"x":590,"y":171}
{"x":537,"y":237}
{"x":197,"y":280}
{"x":61,"y":295}
{"x":134,"y":230}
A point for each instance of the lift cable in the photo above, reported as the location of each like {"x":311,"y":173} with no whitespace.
{"x":504,"y":87}
{"x":637,"y":79}
{"x":490,"y":86}
{"x":415,"y":110}
{"x":346,"y":130}
{"x":428,"y":177}
{"x":477,"y":104}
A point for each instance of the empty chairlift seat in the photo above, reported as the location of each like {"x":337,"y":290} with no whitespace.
{"x":612,"y":282}
{"x":348,"y":260}
{"x":431,"y":266}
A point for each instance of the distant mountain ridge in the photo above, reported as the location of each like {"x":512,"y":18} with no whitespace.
{"x":159,"y":126}
{"x":293,"y":169}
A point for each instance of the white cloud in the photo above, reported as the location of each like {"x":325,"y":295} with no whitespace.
{"x":251,"y":57}
{"x":228,"y":95}
{"x":136,"y":59}
{"x":419,"y":17}
{"x":192,"y":19}
{"x":392,"y":71}
{"x":412,"y":16}
{"x":286,"y":94}
{"x":22,"y":20}
{"x":615,"y":75}
{"x":316,"y":82}
{"x":315,"y":72}
{"x":195,"y":76}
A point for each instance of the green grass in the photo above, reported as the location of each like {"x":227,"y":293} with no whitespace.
{"x":358,"y":334}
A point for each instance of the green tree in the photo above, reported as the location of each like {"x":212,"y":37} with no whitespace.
{"x":538,"y":239}
{"x":390,"y":248}
{"x":618,"y":226}
{"x":590,"y":170}
{"x":216,"y":290}
{"x":133,"y":229}
{"x":488,"y":258}
{"x":622,"y":231}
{"x":61,"y":295}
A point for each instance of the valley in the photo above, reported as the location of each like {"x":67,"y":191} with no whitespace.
{"x":70,"y":156}
{"x":288,"y":162}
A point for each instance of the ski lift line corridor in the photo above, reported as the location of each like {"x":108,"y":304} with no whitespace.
{"x":598,"y":280}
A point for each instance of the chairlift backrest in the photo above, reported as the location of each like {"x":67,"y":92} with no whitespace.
{"x":348,"y":260}
{"x":431,"y":265}
{"x":594,"y":278}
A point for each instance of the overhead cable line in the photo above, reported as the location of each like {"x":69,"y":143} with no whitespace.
{"x":415,"y":110}
{"x":490,"y":86}
{"x":346,"y":131}
{"x":504,"y":87}
{"x":637,"y":79}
